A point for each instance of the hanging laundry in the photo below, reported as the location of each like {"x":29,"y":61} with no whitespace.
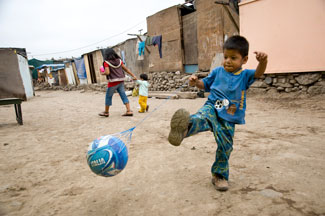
{"x":157,"y":40}
{"x":141,"y":48}
{"x":139,"y":58}
{"x":148,"y":41}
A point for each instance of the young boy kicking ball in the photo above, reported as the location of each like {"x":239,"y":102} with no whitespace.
{"x":224,"y":108}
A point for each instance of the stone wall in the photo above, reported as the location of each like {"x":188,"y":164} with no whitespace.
{"x":312,"y":83}
{"x":304,"y":83}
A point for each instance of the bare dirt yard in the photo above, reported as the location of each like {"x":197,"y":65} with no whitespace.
{"x":277,"y":166}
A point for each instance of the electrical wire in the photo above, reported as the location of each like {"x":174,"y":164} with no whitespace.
{"x":177,"y":28}
{"x":90,"y":44}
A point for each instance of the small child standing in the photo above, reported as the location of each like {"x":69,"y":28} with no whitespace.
{"x":143,"y":93}
{"x":224,"y":107}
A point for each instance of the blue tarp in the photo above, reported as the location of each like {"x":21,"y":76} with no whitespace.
{"x":54,"y":67}
{"x":81,"y":69}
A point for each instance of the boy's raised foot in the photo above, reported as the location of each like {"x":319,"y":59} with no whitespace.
{"x":178,"y":127}
{"x":219,"y":183}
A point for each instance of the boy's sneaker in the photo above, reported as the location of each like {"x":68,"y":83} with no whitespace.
{"x":147,"y":108}
{"x":178,"y":127}
{"x":219,"y":183}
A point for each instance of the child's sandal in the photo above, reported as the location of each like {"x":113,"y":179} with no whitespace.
{"x":105,"y":114}
{"x":128,"y":114}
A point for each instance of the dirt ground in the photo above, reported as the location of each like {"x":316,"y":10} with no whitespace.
{"x":277,"y":166}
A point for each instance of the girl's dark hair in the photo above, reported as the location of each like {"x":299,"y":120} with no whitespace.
{"x":144,"y":76}
{"x":238,"y":43}
{"x":110,"y":54}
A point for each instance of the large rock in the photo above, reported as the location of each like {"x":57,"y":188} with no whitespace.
{"x":316,"y":90}
{"x":321,"y":83}
{"x":268,"y":80}
{"x":308,"y":78}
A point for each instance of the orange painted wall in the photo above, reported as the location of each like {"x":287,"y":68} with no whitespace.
{"x":291,"y":32}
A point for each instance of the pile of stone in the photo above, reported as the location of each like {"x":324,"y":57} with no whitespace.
{"x":93,"y":87}
{"x":171,"y":81}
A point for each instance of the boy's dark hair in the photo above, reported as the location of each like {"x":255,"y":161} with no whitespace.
{"x":144,"y":76}
{"x":238,"y":43}
{"x":110,"y":54}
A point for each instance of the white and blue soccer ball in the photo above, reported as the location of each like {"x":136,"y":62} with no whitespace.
{"x":107,"y":156}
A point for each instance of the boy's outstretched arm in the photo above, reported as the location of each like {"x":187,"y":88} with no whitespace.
{"x":194,"y":81}
{"x":262,"y":62}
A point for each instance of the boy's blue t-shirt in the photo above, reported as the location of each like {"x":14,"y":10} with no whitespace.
{"x":232,"y":87}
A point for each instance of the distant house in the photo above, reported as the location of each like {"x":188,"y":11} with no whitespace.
{"x":15,"y":76}
{"x":36,"y":63}
{"x":192,"y":35}
{"x":92,"y":61}
{"x":54,"y":74}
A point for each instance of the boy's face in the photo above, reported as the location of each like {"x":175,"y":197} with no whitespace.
{"x":233,"y":60}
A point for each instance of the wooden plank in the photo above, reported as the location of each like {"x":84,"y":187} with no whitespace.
{"x":190,"y":38}
{"x":233,"y":16}
{"x":75,"y":73}
{"x":87,"y":68}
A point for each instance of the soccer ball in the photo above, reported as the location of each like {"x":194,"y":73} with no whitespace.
{"x":107,"y":156}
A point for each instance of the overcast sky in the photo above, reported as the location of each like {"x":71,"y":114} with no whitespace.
{"x":56,"y":26}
